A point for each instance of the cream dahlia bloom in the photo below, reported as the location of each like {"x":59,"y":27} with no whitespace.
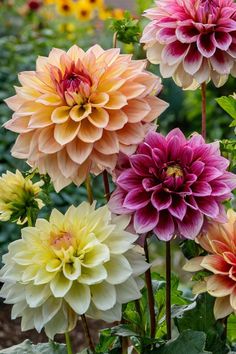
{"x":79,"y":109}
{"x":17,"y":194}
{"x":77,"y":263}
{"x":220,"y":243}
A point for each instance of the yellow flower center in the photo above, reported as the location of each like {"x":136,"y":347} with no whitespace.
{"x":175,"y":171}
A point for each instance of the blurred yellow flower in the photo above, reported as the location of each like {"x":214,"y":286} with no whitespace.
{"x":49,"y":2}
{"x":96,"y":3}
{"x":118,"y":14}
{"x":17,"y":196}
{"x":67,"y":27}
{"x":77,"y":263}
{"x":65,"y":7}
{"x":84,"y":10}
{"x":104,"y":14}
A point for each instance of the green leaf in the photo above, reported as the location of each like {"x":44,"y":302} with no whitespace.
{"x":27,"y":347}
{"x":228,"y":104}
{"x":127,"y":29}
{"x":123,"y":331}
{"x":202,"y":319}
{"x":107,"y":341}
{"x":190,"y":342}
{"x":231,"y":328}
{"x":190,"y":249}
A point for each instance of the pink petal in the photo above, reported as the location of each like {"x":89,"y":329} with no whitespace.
{"x":222,"y":307}
{"x":174,"y":147}
{"x":206,"y":45}
{"x":176,"y":132}
{"x":222,"y":62}
{"x":145,"y":219}
{"x":161,"y":200}
{"x":187,"y":155}
{"x":166,"y":35}
{"x":219,"y":285}
{"x":156,"y":140}
{"x":201,"y":189}
{"x":128,"y":180}
{"x":115,"y":203}
{"x":219,"y":188}
{"x":210,"y":173}
{"x":178,"y":207}
{"x":191,"y":224}
{"x":222,"y":40}
{"x":136,"y":199}
{"x":230,"y":258}
{"x":46,"y":141}
{"x":187,"y":34}
{"x":208,"y":206}
{"x":67,"y":167}
{"x":197,"y":167}
{"x":108,"y":144}
{"x":215,"y":264}
{"x":174,"y":52}
{"x":165,"y":228}
{"x":141,"y":164}
{"x":193,"y":60}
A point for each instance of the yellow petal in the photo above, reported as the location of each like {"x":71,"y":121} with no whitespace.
{"x":99,"y":99}
{"x":99,"y":117}
{"x":116,"y":101}
{"x":88,"y":133}
{"x":61,"y":114}
{"x":66,"y":132}
{"x":50,"y":99}
{"x":78,"y":113}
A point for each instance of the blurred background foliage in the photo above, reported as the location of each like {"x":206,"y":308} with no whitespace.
{"x":31,"y":28}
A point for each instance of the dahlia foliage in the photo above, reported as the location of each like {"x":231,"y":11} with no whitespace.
{"x":78,"y":110}
{"x":193,"y":40}
{"x":171,"y":185}
{"x":77,"y":263}
{"x":220,"y":242}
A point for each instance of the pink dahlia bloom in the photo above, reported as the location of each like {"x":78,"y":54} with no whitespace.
{"x":220,"y":242}
{"x":193,"y":40}
{"x":171,"y":185}
{"x":79,"y":109}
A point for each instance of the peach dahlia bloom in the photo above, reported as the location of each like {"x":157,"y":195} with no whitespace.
{"x":79,"y":109}
{"x":220,"y":243}
{"x":192,"y":40}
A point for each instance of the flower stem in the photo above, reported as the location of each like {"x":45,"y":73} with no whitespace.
{"x":114,"y":40}
{"x":89,"y":189}
{"x":29,"y":218}
{"x":87,"y":334}
{"x":151,"y":302}
{"x":68,"y":343}
{"x":168,"y":289}
{"x":203,"y":90}
{"x":106,"y":185}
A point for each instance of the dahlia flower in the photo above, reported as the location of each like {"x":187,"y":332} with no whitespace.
{"x":172,"y":184}
{"x":17,"y":195}
{"x":193,"y":41}
{"x":79,"y":109}
{"x":220,"y":242}
{"x":77,"y":263}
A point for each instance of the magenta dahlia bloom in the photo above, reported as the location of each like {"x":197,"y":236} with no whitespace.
{"x":193,"y":40}
{"x":171,"y":185}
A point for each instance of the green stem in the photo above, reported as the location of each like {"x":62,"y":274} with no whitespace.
{"x":106,"y":185}
{"x":203,"y":91}
{"x":87,"y":333}
{"x":151,"y":301}
{"x":89,"y":189}
{"x":68,"y":343}
{"x":29,"y":218}
{"x":168,"y":289}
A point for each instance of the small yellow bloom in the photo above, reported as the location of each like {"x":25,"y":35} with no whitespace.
{"x":96,"y":3}
{"x":118,"y":14}
{"x":17,"y":195}
{"x":65,"y":7}
{"x":104,"y":14}
{"x":84,"y":10}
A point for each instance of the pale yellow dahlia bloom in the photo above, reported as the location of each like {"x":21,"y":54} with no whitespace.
{"x":78,"y":263}
{"x":78,"y":110}
{"x":17,"y":194}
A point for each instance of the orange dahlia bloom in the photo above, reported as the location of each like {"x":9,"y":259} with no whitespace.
{"x":79,"y":109}
{"x":220,"y":242}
